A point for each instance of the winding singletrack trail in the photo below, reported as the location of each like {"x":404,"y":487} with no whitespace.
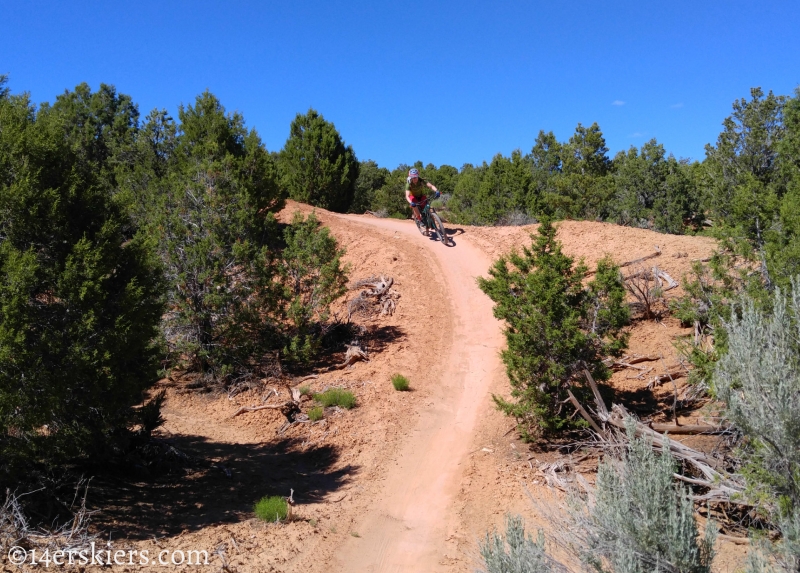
{"x":407,"y":525}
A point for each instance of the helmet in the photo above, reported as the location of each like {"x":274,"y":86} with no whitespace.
{"x":414,"y":172}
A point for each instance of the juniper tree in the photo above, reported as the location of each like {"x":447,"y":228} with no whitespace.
{"x":555,"y":326}
{"x":370,"y":179}
{"x":651,"y":190}
{"x":313,"y":278}
{"x":212,"y":214}
{"x":316,"y":166}
{"x":80,"y":293}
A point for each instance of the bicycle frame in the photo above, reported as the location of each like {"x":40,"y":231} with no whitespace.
{"x":432,"y":222}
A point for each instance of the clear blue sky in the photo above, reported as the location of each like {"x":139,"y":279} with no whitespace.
{"x":440,"y":81}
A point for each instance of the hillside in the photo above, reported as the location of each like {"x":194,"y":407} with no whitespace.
{"x":406,"y":481}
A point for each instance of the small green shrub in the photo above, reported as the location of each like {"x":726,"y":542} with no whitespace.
{"x":336,"y":397}
{"x":271,"y":508}
{"x":305,"y":390}
{"x":316,"y":413}
{"x":400,"y":383}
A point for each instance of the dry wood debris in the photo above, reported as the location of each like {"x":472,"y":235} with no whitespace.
{"x":354,"y":354}
{"x":379,"y":299}
{"x":720,"y":486}
{"x":642,"y":259}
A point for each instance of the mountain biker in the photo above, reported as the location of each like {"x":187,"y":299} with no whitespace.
{"x":415,"y":191}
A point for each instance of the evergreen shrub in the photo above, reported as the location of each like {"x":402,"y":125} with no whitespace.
{"x":555,"y":327}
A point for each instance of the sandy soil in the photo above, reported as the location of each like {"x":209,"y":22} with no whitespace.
{"x":406,"y":481}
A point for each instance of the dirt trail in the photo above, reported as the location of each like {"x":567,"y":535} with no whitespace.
{"x":407,"y":526}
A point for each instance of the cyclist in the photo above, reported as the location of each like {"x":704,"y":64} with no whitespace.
{"x":415,"y":191}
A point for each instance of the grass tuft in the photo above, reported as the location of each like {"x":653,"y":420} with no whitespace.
{"x":400,"y":383}
{"x":316,"y":413}
{"x":305,"y":390}
{"x":271,"y":509}
{"x":336,"y":397}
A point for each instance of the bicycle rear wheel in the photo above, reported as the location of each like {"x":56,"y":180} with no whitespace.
{"x":439,"y":226}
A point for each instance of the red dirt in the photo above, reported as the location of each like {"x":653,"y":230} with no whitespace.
{"x":406,"y":481}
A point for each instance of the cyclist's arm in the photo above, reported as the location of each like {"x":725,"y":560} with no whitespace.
{"x":408,"y":196}
{"x":431,"y":186}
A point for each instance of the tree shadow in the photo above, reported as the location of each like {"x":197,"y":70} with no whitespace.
{"x":378,"y":338}
{"x":220,"y":485}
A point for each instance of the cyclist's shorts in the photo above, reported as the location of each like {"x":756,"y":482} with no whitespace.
{"x":420,"y":200}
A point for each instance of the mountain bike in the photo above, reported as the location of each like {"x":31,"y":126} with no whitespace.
{"x":430,"y":220}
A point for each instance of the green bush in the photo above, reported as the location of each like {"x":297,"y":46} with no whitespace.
{"x":336,"y":397}
{"x":305,"y":390}
{"x":313,"y":277}
{"x":555,"y":327}
{"x":271,"y":509}
{"x":81,"y":294}
{"x":316,"y":413}
{"x":400,"y":383}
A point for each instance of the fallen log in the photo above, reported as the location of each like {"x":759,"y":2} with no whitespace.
{"x":380,"y":295}
{"x":689,"y":429}
{"x":671,"y":283}
{"x":353,"y":355}
{"x":642,"y":259}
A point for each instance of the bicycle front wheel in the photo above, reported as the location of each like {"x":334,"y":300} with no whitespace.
{"x":439,"y":226}
{"x":420,"y":226}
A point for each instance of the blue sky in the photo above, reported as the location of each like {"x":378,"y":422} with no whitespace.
{"x":439,"y":81}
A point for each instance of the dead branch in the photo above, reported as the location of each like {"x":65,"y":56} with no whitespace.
{"x":602,"y":411}
{"x":245,"y":409}
{"x":583,"y":412}
{"x":666,"y":377}
{"x":721,"y":487}
{"x":628,"y":365}
{"x":290,"y":409}
{"x":687,"y":429}
{"x":642,"y":259}
{"x":638,"y":359}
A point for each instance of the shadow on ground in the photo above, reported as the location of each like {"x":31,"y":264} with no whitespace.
{"x":377,"y":338}
{"x":220,"y":484}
